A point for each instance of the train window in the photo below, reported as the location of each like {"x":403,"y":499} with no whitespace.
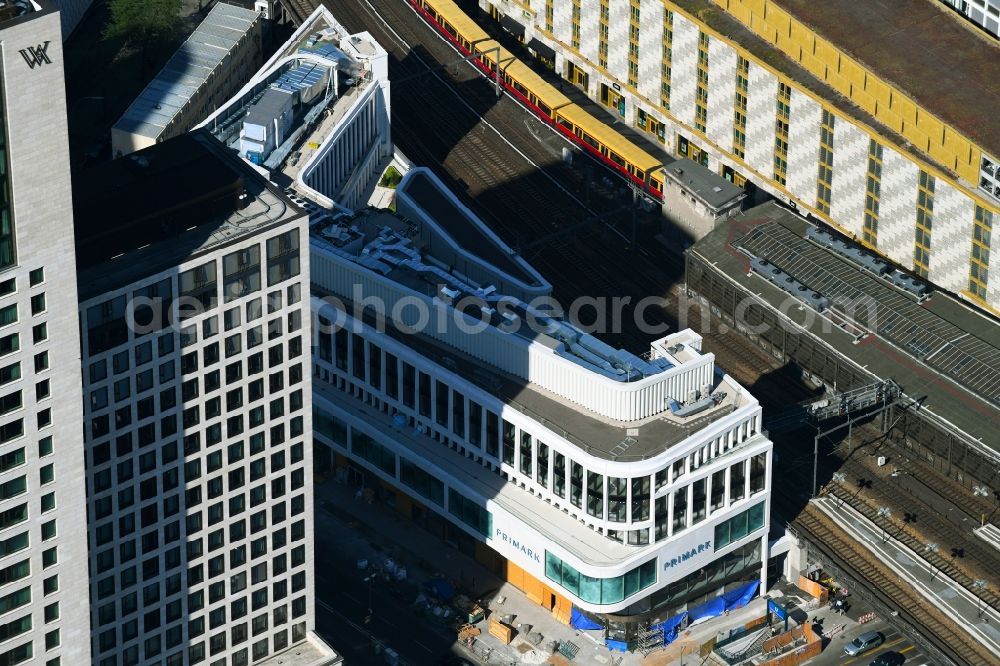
{"x":565,"y":123}
{"x":604,"y":151}
{"x":616,"y":159}
{"x":631,"y":169}
{"x":451,"y":31}
{"x":546,"y":110}
{"x":588,"y":139}
{"x":656,"y":184}
{"x":517,"y":86}
{"x":639,"y":173}
{"x":465,"y":44}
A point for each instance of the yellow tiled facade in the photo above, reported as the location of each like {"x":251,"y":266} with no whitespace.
{"x":667,"y":89}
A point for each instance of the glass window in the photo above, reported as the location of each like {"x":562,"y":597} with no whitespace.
{"x":617,"y":499}
{"x":680,"y":509}
{"x":737,"y":481}
{"x":718,"y":490}
{"x":640,"y":498}
{"x":758,"y":472}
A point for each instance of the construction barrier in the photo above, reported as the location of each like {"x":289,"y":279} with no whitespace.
{"x":813,"y":588}
{"x":867,"y":617}
{"x":501,"y":632}
{"x":813,"y":646}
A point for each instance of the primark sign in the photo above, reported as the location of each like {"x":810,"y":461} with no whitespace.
{"x":500,"y":535}
{"x":688,"y":554}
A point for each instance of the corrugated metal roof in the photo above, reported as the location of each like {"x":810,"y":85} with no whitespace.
{"x":187,"y":70}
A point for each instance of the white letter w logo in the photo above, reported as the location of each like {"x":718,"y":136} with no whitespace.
{"x":36,"y":55}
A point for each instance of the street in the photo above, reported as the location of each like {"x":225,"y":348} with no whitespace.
{"x":343,"y":597}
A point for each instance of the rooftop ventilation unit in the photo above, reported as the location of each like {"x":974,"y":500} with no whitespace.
{"x":852,"y":253}
{"x":790,"y":285}
{"x":909,"y":284}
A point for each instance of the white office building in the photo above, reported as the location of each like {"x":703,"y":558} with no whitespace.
{"x":315,"y":118}
{"x":44,"y":612}
{"x":631,"y":488}
{"x":195,"y":338}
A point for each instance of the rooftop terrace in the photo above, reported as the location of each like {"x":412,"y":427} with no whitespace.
{"x":325,"y":69}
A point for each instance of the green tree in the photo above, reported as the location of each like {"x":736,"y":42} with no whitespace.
{"x":142,"y":23}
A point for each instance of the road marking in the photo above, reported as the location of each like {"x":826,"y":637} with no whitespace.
{"x":907,"y":649}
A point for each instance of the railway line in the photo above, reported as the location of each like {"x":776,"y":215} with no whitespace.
{"x":887,"y":590}
{"x":980,"y":560}
{"x":529,"y":192}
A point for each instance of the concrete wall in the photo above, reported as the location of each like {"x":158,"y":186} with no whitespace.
{"x":34,"y":105}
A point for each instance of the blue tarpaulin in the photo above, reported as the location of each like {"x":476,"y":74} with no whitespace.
{"x":440,"y":588}
{"x":578,"y":620}
{"x":616,"y":646}
{"x":731,"y":600}
{"x":739,"y":597}
{"x":711,"y":608}
{"x":670,"y":627}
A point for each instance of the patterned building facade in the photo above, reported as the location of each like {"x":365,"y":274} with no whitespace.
{"x":775,"y":115}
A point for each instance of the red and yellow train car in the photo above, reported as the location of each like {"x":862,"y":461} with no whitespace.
{"x":541,"y":97}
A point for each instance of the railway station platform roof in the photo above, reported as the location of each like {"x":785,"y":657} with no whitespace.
{"x":941,"y":352}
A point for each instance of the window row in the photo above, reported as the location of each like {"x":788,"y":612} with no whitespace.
{"x":158,"y":306}
{"x":467,"y":420}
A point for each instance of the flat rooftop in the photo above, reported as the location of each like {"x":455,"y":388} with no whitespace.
{"x":165,"y":204}
{"x":707,"y":185}
{"x":311,"y":652}
{"x":922,"y":48}
{"x":940,"y":351}
{"x":187,"y":70}
{"x":716,"y":18}
{"x":457,"y":222}
{"x":598,"y":436}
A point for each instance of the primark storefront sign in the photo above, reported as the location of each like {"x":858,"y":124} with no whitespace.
{"x":503,"y":537}
{"x":688,"y":554}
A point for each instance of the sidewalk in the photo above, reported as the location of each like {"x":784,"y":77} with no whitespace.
{"x":958,"y":603}
{"x":382,"y":533}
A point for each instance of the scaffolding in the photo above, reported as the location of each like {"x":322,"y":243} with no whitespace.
{"x":650,"y":639}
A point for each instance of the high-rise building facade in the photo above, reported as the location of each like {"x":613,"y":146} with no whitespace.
{"x":44,"y":611}
{"x":828,"y":106}
{"x":195,"y":336}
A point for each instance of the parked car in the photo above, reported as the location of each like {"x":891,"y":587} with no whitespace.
{"x":888,"y":659}
{"x":863,"y":643}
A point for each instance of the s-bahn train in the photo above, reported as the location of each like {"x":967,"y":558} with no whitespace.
{"x":542,"y":97}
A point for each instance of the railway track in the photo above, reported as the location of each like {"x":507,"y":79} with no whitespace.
{"x":845,"y":553}
{"x":979,"y":561}
{"x":299,"y":10}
